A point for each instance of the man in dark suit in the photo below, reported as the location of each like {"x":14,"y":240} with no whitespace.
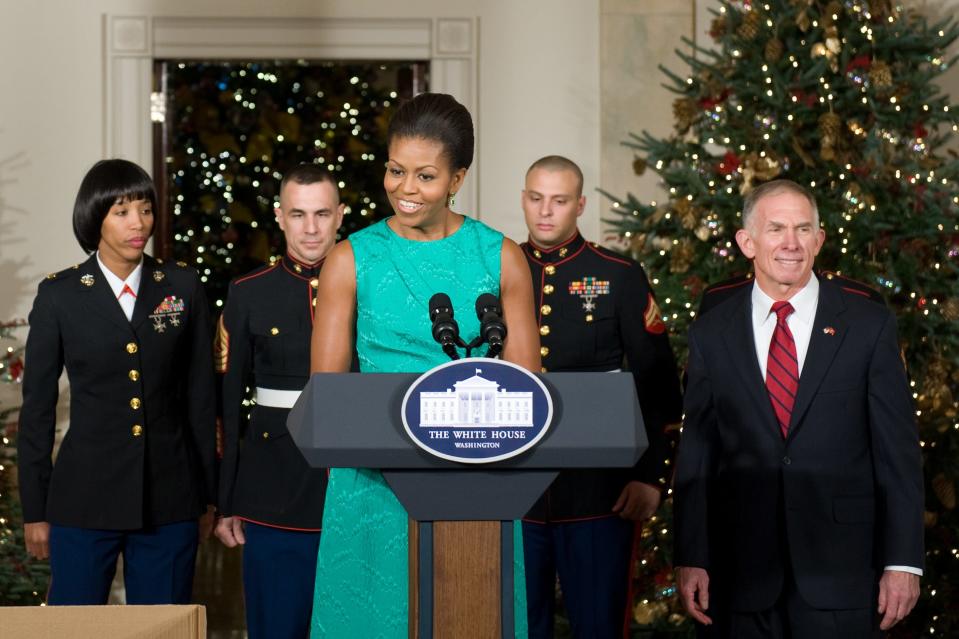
{"x":799,"y":495}
{"x":271,"y":501}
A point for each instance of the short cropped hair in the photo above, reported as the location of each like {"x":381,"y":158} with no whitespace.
{"x":308,"y":174}
{"x":559,"y":163}
{"x":440,"y":118}
{"x":107,"y":183}
{"x":774,"y":188}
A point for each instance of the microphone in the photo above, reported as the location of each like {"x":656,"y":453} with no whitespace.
{"x":445,"y":329}
{"x":492,"y":328}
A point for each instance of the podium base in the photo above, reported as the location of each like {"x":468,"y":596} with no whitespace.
{"x":461,"y":579}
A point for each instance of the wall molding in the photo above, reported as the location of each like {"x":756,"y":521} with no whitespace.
{"x":132,"y":43}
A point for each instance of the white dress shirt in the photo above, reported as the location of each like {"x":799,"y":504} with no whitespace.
{"x":800,"y":323}
{"x":127,"y":301}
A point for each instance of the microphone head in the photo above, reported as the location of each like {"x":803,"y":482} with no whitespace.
{"x":440,"y":303}
{"x":485,"y":303}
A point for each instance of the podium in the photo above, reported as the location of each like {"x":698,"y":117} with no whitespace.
{"x":350,"y":420}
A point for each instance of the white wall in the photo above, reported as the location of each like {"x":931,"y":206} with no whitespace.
{"x":538,"y":94}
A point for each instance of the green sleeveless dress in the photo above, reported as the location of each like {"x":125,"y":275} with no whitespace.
{"x":361,"y":576}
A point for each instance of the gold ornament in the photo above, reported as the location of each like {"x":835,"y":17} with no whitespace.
{"x":830,"y":126}
{"x":945,"y":490}
{"x":880,"y":75}
{"x":639,"y":165}
{"x":749,"y":28}
{"x":818,"y":50}
{"x":681,"y":256}
{"x":756,"y":167}
{"x":685,"y":213}
{"x":643,"y":613}
{"x":685,"y":112}
{"x":703,"y":232}
{"x":950,"y":309}
{"x":774,"y":50}
{"x":803,"y":21}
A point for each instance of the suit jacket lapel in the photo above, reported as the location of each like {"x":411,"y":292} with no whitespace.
{"x":98,"y":296}
{"x":151,"y":292}
{"x":742,"y":356}
{"x":828,"y":333}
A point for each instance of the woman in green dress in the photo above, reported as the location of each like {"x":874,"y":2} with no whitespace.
{"x":380,"y":281}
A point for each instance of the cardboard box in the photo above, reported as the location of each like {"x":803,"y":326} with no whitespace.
{"x":103,"y":622}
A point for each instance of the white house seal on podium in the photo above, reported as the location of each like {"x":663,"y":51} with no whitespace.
{"x":477,"y":410}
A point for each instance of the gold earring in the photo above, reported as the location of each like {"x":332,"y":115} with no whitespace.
{"x":451,"y":200}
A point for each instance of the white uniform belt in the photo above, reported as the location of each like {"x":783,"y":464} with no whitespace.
{"x":275,"y":398}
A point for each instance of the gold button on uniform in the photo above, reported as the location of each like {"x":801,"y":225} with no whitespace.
{"x":266,"y":435}
{"x":135,"y":403}
{"x":589,"y":317}
{"x":137,"y":430}
{"x":315,"y":282}
{"x":544,"y":330}
{"x":537,"y":254}
{"x":132,"y":348}
{"x":550,"y":270}
{"x":542,"y":369}
{"x":544,"y":351}
{"x":274,"y":331}
{"x":134,"y":375}
{"x":563,"y":252}
{"x":546,"y":309}
{"x":548,"y":289}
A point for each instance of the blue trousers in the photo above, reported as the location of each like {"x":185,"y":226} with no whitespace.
{"x":279,"y":571}
{"x":158,"y":564}
{"x":592,"y":560}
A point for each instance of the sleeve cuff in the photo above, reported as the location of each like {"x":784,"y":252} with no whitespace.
{"x":909,"y":569}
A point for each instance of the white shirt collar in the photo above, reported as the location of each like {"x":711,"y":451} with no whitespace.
{"x":116,"y":284}
{"x":804,"y":303}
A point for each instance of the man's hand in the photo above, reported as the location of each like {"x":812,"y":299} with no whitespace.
{"x":229,"y":530}
{"x":37,"y":538}
{"x":694,"y":592}
{"x":898,"y":593}
{"x":638,"y":501}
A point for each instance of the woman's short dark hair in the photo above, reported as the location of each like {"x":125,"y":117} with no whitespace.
{"x":438,"y":117}
{"x":105,"y":184}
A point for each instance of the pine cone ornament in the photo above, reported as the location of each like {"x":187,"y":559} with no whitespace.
{"x":945,"y":490}
{"x":880,"y":75}
{"x":681,"y":258}
{"x":639,"y":165}
{"x":774,"y":50}
{"x":685,"y":112}
{"x":749,"y":28}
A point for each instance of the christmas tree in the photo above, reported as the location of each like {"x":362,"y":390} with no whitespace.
{"x":838,"y":96}
{"x":236,"y":127}
{"x":23,"y":581}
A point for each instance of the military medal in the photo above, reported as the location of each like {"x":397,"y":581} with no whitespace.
{"x":87,"y":280}
{"x":169,"y":309}
{"x":588,"y":289}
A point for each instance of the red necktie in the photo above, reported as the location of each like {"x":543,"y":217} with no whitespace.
{"x":782,"y":368}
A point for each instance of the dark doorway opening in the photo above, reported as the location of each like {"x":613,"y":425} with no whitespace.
{"x":227,"y":132}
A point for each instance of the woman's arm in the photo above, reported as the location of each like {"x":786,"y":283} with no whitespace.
{"x":516,"y":293}
{"x":331,"y":349}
